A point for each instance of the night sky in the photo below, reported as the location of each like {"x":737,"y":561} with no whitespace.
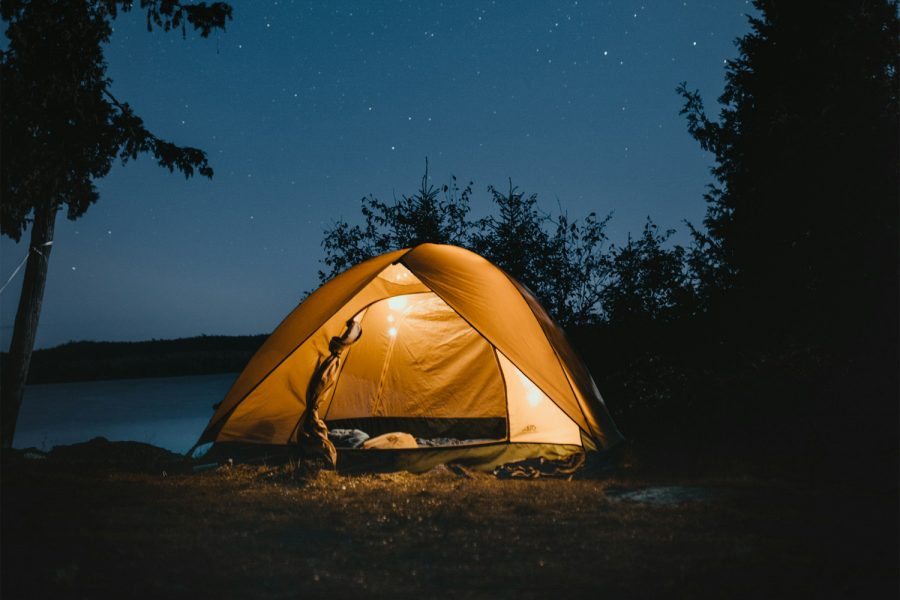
{"x":304,"y":108}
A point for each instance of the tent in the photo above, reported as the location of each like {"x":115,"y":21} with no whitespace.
{"x":452,"y":348}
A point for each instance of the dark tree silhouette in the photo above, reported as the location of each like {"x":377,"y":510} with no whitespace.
{"x":425,"y":216}
{"x":648,"y":281}
{"x":514,"y":238}
{"x":562,"y":261}
{"x":576,"y":268}
{"x":800,"y":252}
{"x":62,"y":129}
{"x":802,"y":221}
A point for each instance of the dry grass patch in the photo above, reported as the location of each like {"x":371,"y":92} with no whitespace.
{"x":268,"y":532}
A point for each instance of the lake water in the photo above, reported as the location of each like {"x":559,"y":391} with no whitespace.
{"x":169,"y":412}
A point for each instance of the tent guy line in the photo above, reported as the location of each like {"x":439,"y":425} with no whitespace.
{"x":24,"y":260}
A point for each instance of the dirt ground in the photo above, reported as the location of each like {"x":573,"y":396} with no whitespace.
{"x":241,"y":532}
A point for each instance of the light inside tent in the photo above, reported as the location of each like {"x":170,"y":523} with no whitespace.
{"x":397,"y":302}
{"x":532,"y":393}
{"x":430,"y":364}
{"x":398,"y":274}
{"x":390,"y":318}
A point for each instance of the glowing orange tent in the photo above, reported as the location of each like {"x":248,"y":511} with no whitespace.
{"x":451,"y":347}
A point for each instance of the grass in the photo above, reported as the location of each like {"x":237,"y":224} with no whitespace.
{"x":258,"y":532}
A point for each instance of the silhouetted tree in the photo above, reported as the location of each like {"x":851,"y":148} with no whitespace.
{"x":561,"y":261}
{"x":709,"y":273}
{"x":648,"y":281}
{"x":802,"y":220}
{"x":425,"y":216}
{"x":576,"y":268}
{"x":62,"y":129}
{"x":801,"y":234}
{"x":514,"y":239}
{"x":565,"y":267}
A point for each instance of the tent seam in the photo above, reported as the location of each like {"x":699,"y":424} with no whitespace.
{"x":505,"y":387}
{"x":493,"y":345}
{"x":556,"y":354}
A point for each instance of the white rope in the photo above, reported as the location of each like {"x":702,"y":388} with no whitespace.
{"x":44,"y":245}
{"x":24,"y":260}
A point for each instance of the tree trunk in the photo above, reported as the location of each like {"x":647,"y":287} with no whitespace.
{"x":27,"y":315}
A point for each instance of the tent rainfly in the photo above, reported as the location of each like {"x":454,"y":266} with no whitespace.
{"x":452,"y":349}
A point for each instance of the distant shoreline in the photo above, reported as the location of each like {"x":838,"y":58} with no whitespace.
{"x":92,"y":361}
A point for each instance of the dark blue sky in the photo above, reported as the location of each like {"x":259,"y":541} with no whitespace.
{"x":304,"y":108}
